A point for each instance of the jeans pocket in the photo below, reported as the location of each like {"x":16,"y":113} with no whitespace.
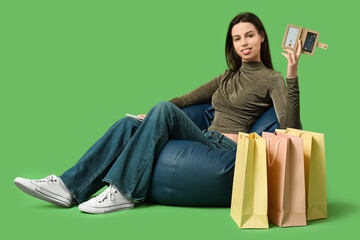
{"x":228,"y":144}
{"x":219,"y":141}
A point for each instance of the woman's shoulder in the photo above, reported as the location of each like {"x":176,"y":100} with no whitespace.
{"x":227,"y":74}
{"x":272,"y":73}
{"x":228,"y":71}
{"x":275,"y":77}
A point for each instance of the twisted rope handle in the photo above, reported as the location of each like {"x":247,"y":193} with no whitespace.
{"x":268,"y":151}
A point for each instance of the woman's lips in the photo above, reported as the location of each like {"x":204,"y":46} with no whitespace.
{"x":246,"y":51}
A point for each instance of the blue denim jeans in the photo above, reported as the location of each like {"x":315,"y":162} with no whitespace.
{"x":124,"y":156}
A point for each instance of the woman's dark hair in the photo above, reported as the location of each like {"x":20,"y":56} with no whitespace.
{"x":233,"y":60}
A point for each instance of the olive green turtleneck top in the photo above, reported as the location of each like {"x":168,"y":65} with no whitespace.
{"x":240,"y":98}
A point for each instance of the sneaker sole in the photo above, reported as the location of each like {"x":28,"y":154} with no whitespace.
{"x":40,"y":193}
{"x":98,"y":210}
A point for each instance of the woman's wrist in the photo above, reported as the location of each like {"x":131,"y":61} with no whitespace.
{"x":291,"y":76}
{"x":291,"y":73}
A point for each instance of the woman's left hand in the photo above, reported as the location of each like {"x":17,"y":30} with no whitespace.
{"x":293,"y":60}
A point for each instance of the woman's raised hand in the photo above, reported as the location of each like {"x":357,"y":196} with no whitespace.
{"x":293,"y":60}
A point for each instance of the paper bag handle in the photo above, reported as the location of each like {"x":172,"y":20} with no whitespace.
{"x":268,"y":151}
{"x":300,"y":133}
{"x":287,"y":132}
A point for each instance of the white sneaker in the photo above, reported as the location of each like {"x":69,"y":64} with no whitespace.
{"x":110,"y":200}
{"x":50,"y":189}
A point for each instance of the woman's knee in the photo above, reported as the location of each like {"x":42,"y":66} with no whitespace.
{"x":160,"y":110}
{"x":164,"y":107}
{"x":127,"y":122}
{"x":165,"y":104}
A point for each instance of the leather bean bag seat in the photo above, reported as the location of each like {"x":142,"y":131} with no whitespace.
{"x":189,"y":173}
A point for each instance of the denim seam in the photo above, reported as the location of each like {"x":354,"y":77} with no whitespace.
{"x":139,"y":173}
{"x":188,"y":127}
{"x":123,"y":192}
{"x":80,"y":190}
{"x":226,"y":143}
{"x":206,"y":141}
{"x":142,"y":167}
{"x":222,"y":140}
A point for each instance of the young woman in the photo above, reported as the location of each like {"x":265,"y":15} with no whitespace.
{"x":123,"y":158}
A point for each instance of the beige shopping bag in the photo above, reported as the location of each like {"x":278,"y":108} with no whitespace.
{"x":249,"y":194}
{"x":315,"y":174}
{"x":286,"y":180}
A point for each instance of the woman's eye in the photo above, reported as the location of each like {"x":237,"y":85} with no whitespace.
{"x":250,"y":36}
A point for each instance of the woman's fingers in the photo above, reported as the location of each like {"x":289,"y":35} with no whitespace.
{"x":298,"y":52}
{"x":285,"y":55}
{"x":291,"y":56}
{"x":141,"y":115}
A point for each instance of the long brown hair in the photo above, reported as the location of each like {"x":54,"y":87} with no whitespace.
{"x":233,"y":60}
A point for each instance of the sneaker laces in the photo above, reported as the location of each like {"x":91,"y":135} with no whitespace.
{"x":108,"y":193}
{"x":51,"y":178}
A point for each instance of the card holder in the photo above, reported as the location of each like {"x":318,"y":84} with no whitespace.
{"x":309,"y":39}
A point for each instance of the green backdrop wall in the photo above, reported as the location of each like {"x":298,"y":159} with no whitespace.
{"x":70,"y":69}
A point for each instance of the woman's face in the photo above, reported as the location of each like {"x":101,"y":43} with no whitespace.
{"x":247,"y":41}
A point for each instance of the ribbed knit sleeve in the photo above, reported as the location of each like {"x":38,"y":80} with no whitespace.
{"x":202,"y":94}
{"x":286,"y":100}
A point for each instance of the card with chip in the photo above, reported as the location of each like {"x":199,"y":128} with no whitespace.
{"x":292,"y":37}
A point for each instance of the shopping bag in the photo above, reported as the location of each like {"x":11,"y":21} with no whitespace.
{"x":249,"y":194}
{"x":286,"y":180}
{"x":315,"y":174}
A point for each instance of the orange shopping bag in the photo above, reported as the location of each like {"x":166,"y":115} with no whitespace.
{"x":315,"y":176}
{"x":249,"y":194}
{"x":286,"y":180}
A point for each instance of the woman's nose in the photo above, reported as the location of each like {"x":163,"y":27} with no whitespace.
{"x":244,"y":42}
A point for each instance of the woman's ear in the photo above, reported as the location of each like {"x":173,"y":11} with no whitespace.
{"x":262,"y":36}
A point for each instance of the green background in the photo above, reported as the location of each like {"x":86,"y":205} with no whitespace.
{"x":70,"y":69}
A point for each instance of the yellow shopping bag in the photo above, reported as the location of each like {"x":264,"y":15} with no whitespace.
{"x":249,"y":194}
{"x":315,"y":177}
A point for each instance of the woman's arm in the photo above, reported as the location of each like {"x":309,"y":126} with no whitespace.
{"x":293,"y":60}
{"x":202,"y":94}
{"x":286,"y":99}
